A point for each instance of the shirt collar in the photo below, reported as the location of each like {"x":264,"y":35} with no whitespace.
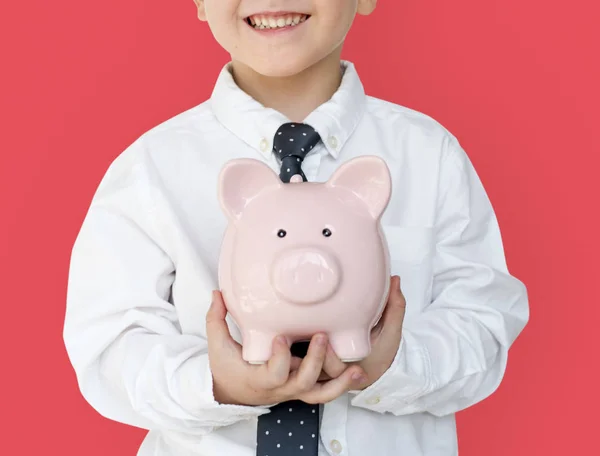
{"x":255,"y":124}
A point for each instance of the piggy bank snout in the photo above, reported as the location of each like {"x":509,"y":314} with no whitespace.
{"x":305,"y":275}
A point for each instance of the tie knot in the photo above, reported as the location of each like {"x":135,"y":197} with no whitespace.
{"x":294,"y":139}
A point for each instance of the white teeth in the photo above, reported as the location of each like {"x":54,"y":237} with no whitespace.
{"x":262,"y":22}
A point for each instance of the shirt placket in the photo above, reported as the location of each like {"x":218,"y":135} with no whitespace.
{"x":333,"y":427}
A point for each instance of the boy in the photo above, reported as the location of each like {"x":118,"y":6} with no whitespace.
{"x":150,"y":349}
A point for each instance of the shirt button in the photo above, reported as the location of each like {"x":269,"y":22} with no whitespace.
{"x":336,"y":446}
{"x":333,"y":142}
{"x":373,"y":400}
{"x":264,"y":145}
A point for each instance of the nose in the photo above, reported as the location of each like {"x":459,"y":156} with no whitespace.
{"x":305,"y":276}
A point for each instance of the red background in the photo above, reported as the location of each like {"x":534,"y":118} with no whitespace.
{"x":515,"y":80}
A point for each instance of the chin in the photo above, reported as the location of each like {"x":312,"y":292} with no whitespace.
{"x":280,"y":68}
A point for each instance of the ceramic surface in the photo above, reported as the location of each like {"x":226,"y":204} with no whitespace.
{"x":304,"y":257}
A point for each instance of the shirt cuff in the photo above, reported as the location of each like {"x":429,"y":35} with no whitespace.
{"x":407,"y":378}
{"x":195,"y":388}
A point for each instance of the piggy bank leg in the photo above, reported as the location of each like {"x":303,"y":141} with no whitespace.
{"x":257,"y":346}
{"x":351,"y":345}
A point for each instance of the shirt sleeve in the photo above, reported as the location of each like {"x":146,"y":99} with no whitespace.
{"x":121,"y":330}
{"x":454,"y":353}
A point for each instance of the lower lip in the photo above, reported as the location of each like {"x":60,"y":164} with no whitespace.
{"x":278,"y":30}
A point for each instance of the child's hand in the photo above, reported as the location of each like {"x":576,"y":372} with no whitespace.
{"x":385,"y":340}
{"x":282,"y":378}
{"x":385,"y":336}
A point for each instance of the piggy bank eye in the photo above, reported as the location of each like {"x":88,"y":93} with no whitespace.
{"x":326,"y":232}
{"x":281,"y":233}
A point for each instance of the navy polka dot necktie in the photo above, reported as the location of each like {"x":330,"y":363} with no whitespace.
{"x":291,"y":428}
{"x":292,"y":142}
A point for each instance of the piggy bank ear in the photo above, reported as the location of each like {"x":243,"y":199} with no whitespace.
{"x":242,"y":180}
{"x":368,"y":177}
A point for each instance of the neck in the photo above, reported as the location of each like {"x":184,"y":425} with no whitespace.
{"x":294,"y":96}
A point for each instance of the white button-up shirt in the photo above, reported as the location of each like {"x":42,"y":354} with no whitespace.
{"x":145,"y":262}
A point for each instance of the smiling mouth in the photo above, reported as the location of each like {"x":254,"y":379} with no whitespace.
{"x":273,"y":22}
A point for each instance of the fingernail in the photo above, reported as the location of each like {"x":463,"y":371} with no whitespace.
{"x":358,"y":376}
{"x":321,"y":340}
{"x":281,"y":340}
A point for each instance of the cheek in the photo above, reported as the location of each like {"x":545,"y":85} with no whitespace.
{"x":333,"y":29}
{"x":340,"y":11}
{"x":224,"y":22}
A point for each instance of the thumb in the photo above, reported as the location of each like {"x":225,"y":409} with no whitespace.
{"x":394,"y":311}
{"x":396,"y":295}
{"x":217,"y":330}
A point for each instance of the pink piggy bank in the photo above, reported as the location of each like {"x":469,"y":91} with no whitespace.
{"x":302,"y":258}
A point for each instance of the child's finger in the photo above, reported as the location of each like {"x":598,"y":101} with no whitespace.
{"x":333,"y":366}
{"x":308,"y":373}
{"x":217,"y":331}
{"x":328,"y":391}
{"x":277,"y":370}
{"x":324,"y":377}
{"x":393,"y":314}
{"x":295,"y":363}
